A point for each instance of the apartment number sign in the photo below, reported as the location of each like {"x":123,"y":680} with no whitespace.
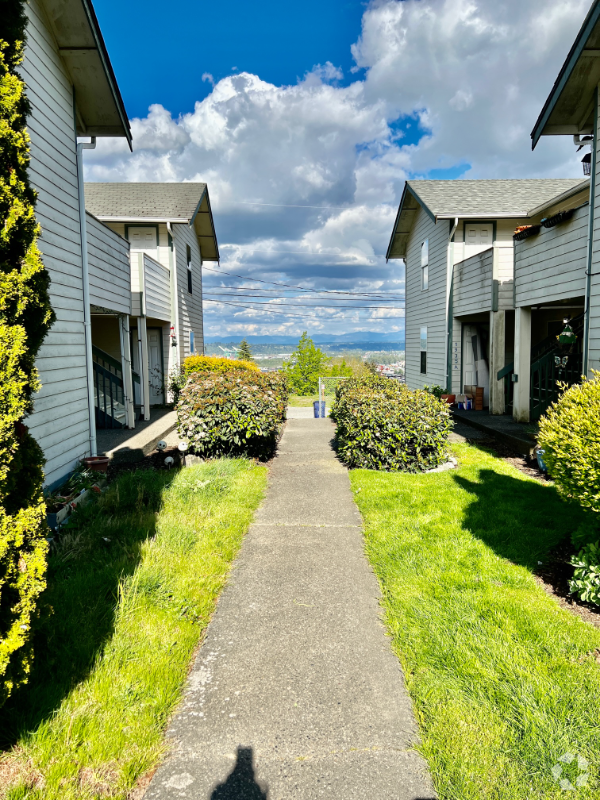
{"x":455,"y":356}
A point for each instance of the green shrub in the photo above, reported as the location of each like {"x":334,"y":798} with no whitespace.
{"x":383,"y":425}
{"x":304,"y":368}
{"x":193,"y":364}
{"x":570,"y":438}
{"x":586,"y":579}
{"x":25,"y":316}
{"x":232,"y":413}
{"x":435,"y":390}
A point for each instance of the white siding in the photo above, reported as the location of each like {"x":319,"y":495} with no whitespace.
{"x":190,"y":305}
{"x":60,"y":420}
{"x":109,"y":269}
{"x":426,"y":307}
{"x":472,"y":287}
{"x":551,"y":266}
{"x":157,"y":286}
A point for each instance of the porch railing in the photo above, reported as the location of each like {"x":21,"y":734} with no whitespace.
{"x":546,"y":374}
{"x":108,"y":390}
{"x":506,"y":375}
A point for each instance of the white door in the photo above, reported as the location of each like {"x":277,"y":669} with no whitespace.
{"x":155,"y":366}
{"x":468,"y":356}
{"x":136,"y":359}
{"x":478,"y":237}
{"x":144,"y":239}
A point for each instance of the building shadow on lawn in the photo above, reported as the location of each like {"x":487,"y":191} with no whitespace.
{"x":90,"y":557}
{"x":521,"y":520}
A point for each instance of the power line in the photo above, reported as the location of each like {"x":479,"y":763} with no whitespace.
{"x":296,"y":305}
{"x":279,"y":313}
{"x":303,"y":252}
{"x":289,"y":285}
{"x":316,"y":293}
{"x":284,"y":205}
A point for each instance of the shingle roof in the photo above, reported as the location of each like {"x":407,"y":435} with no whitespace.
{"x":488,"y":197}
{"x":168,"y":201}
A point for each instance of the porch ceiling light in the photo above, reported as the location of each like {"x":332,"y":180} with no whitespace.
{"x":568,"y":336}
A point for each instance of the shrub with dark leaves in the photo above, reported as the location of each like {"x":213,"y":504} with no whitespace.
{"x":385,"y":426}
{"x":232,"y":413}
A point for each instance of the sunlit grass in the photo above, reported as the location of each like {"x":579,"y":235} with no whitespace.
{"x":504,"y":681}
{"x":298,"y":401}
{"x":131,"y":589}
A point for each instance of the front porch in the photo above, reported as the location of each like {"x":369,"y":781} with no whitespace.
{"x":518,"y":436}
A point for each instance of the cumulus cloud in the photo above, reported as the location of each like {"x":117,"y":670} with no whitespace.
{"x":305,"y":179}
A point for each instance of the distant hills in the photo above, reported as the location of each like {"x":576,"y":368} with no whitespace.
{"x":361,"y":338}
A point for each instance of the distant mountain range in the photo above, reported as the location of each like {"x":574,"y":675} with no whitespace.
{"x":359,"y":338}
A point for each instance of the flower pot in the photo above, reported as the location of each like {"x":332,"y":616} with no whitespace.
{"x":96,"y":463}
{"x":449,"y":398}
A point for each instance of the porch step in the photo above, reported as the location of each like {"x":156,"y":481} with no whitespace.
{"x":502,"y":428}
{"x":132,"y":445}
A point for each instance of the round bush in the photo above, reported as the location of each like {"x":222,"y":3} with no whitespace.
{"x":570,"y":438}
{"x":232,"y":413}
{"x":215,"y":364}
{"x":383,"y":425}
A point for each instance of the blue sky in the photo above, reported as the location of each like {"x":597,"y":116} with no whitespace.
{"x":279,"y":41}
{"x":306,"y":120}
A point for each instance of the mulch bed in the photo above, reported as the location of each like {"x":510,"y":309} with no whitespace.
{"x":556,"y":572}
{"x":154,"y":460}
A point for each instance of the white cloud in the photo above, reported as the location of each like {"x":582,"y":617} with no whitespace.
{"x":472,"y":74}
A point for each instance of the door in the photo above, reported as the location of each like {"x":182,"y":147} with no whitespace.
{"x":474,"y":358}
{"x":144,"y":239}
{"x":478,"y":237}
{"x":468,"y":356}
{"x":155,"y":366}
{"x":136,"y":360}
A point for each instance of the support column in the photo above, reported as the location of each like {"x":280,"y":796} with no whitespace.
{"x":127,"y":371}
{"x":497,"y":355}
{"x":144,"y":367}
{"x":456,"y":357}
{"x":522,"y":388}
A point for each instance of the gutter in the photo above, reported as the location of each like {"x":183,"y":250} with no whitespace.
{"x":449,"y":279}
{"x":85,"y":279}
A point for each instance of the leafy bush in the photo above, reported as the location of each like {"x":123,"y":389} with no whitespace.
{"x":383,"y":425}
{"x":235,"y":413}
{"x":25,"y":317}
{"x":215,"y":364}
{"x":570,"y":437}
{"x":586,"y":579}
{"x":435,"y":390}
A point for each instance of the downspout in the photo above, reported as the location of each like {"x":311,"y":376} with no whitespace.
{"x":449,"y":279}
{"x":85,"y":279}
{"x":174,"y":293}
{"x":588,"y":274}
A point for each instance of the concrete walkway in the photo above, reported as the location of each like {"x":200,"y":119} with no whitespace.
{"x":296,"y":694}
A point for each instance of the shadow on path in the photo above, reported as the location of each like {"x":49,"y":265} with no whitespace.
{"x":241,"y":783}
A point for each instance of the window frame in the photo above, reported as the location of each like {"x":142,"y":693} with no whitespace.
{"x":192,"y":343}
{"x":423,"y":349}
{"x":188,"y":256}
{"x":425,"y":265}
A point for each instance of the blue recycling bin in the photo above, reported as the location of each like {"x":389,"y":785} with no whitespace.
{"x":319,"y":408}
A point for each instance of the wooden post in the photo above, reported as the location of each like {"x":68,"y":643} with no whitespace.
{"x":127,"y":371}
{"x":144,"y":367}
{"x":497,"y":355}
{"x":522,"y":388}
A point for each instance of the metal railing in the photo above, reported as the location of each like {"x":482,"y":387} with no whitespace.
{"x":506,"y":374}
{"x":546,"y":373}
{"x":109,"y":392}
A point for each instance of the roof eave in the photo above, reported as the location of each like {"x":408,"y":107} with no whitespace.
{"x":560,"y":197}
{"x":216,"y":256}
{"x":565,"y":73}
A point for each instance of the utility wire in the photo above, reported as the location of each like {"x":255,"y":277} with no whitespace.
{"x":279,"y":313}
{"x":297,"y":305}
{"x":316,"y":294}
{"x":289,"y":285}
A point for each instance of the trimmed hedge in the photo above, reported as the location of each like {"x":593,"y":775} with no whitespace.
{"x":25,"y":317}
{"x":194,"y":364}
{"x":383,"y":425}
{"x":570,"y":438}
{"x":234,"y":413}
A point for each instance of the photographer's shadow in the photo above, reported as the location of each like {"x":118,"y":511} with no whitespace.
{"x":241,"y":783}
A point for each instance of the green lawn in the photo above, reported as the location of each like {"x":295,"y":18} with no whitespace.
{"x":504,"y":682}
{"x":298,"y":401}
{"x":131,"y":588}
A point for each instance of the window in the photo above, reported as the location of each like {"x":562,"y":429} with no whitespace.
{"x":424,"y":350}
{"x":425,"y":265}
{"x":192,"y":343}
{"x":188,"y":252}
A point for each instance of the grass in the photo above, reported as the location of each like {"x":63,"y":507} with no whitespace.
{"x":504,"y":682}
{"x":298,"y":401}
{"x":131,"y":588}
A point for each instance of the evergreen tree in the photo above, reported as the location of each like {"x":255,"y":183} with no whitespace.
{"x":244,"y":352}
{"x":305,"y":367}
{"x":25,"y":316}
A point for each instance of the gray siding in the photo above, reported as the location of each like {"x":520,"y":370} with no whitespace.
{"x":551,"y":266}
{"x":472,"y":286}
{"x":109,"y":270}
{"x":426,"y":307}
{"x":60,"y":419}
{"x":594,"y":320}
{"x":190,"y":305}
{"x":157,"y":286}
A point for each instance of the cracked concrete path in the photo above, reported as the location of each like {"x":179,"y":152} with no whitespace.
{"x":295,"y":692}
